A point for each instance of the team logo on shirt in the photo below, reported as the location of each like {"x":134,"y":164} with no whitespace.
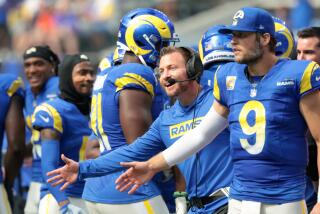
{"x":230,"y":82}
{"x":180,"y":129}
{"x":285,"y":83}
{"x":45,"y":119}
{"x":51,"y":96}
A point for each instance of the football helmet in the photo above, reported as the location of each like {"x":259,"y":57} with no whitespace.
{"x":105,"y":63}
{"x":118,"y":56}
{"x":144,"y":31}
{"x":214,"y":46}
{"x":284,"y":37}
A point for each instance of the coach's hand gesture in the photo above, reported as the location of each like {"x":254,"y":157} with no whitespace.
{"x":137,"y":174}
{"x":67,"y":174}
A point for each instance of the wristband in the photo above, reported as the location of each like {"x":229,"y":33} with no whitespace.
{"x":178,"y":194}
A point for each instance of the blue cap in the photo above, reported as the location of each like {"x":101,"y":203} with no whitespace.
{"x":251,"y":19}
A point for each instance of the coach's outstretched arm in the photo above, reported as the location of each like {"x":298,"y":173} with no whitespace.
{"x":140,"y":172}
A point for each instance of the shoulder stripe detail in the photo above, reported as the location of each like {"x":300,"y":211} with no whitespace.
{"x":14,"y":87}
{"x":57,"y":121}
{"x":216,"y":89}
{"x":131,"y":78}
{"x":305,"y":84}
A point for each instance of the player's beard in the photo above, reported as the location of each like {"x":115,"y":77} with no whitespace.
{"x":253,"y":56}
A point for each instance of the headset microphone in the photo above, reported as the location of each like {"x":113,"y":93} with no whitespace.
{"x":173,"y":81}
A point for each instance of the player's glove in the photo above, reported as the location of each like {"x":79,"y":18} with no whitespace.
{"x":71,"y":209}
{"x":181,"y":202}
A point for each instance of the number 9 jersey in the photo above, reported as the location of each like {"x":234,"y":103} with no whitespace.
{"x":267,"y":129}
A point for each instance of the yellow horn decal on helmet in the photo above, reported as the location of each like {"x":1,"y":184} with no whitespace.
{"x":161,"y":26}
{"x":200,"y":50}
{"x":130,"y":39}
{"x":115,"y":54}
{"x":280,"y":28}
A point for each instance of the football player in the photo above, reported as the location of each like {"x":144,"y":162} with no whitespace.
{"x":64,"y":129}
{"x":11,"y":123}
{"x":40,"y":67}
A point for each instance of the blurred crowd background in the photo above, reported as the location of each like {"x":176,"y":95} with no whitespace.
{"x":90,"y":26}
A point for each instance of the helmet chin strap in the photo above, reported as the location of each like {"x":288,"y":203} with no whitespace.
{"x":142,"y":60}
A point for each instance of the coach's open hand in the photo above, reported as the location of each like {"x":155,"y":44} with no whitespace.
{"x":67,"y":174}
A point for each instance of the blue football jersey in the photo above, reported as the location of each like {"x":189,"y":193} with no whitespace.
{"x":105,"y":123}
{"x":267,"y":138}
{"x":207,"y":76}
{"x":9,"y":86}
{"x":73,"y":127}
{"x":211,"y":168}
{"x":205,"y":172}
{"x":49,"y":92}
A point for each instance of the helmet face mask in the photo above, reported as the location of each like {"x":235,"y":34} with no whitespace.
{"x":144,"y":31}
{"x":215,"y":47}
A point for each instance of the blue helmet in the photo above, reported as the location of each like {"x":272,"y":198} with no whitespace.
{"x":105,"y":63}
{"x":215,"y":47}
{"x":111,"y":60}
{"x":118,"y":56}
{"x":285,"y":40}
{"x":144,"y":31}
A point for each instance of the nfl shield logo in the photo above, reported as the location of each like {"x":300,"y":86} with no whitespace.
{"x":253,"y":92}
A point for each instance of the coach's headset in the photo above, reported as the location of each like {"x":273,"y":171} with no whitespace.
{"x":194,"y":65}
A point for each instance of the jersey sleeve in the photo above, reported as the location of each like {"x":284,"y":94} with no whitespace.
{"x":310,"y":80}
{"x":139,"y":79}
{"x":46,"y":116}
{"x":14,"y":86}
{"x":141,"y":149}
{"x":218,"y":86}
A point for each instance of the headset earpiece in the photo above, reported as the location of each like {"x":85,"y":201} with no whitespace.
{"x":194,"y":65}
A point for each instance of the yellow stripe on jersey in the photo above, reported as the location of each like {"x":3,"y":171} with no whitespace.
{"x":148,"y":207}
{"x":104,"y":137}
{"x":303,"y":207}
{"x":5,"y":200}
{"x":130,"y":78}
{"x":28,"y":122}
{"x":14,"y":87}
{"x":57,"y":121}
{"x":216,"y":89}
{"x":82,"y":151}
{"x":93,"y":116}
{"x":305,"y":84}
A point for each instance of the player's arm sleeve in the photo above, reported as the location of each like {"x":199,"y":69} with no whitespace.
{"x":15,"y":87}
{"x":310,"y":80}
{"x":193,"y":141}
{"x":50,"y":149}
{"x":48,"y":121}
{"x":140,"y":150}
